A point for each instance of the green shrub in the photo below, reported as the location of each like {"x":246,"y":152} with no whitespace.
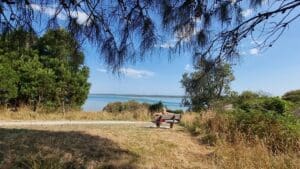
{"x":254,"y":118}
{"x":130,"y":106}
{"x":157,"y":107}
{"x":292,"y":96}
{"x":280,"y":132}
{"x":264,"y":104}
{"x":246,"y":95}
{"x":275,"y":104}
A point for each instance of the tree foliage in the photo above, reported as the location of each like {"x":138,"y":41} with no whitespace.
{"x":212,"y":29}
{"x":292,"y":96}
{"x":45,"y":70}
{"x":206,"y":84}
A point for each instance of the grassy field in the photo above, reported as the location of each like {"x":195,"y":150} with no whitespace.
{"x":100,"y":146}
{"x":27,"y":114}
{"x":201,"y":143}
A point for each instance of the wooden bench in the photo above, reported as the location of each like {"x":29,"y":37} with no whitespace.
{"x":167,"y":118}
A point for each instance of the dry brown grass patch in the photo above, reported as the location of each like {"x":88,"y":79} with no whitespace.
{"x":27,"y":114}
{"x":232,"y":149}
{"x":96,"y":146}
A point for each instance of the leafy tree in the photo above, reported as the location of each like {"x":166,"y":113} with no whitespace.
{"x":43,"y":71}
{"x":206,"y":84}
{"x":59,"y":44}
{"x":293,"y":96}
{"x":36,"y":82}
{"x":8,"y":82}
{"x":61,"y":52}
{"x":214,"y":29}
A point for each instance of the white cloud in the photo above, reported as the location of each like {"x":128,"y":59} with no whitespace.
{"x":130,"y":72}
{"x":167,"y":45}
{"x":50,"y":11}
{"x":188,"y":68}
{"x":135,"y":73}
{"x":254,"y":51}
{"x":247,"y":12}
{"x":243,"y":53}
{"x":81,"y":17}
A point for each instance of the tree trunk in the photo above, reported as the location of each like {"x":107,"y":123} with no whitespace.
{"x":37,"y":103}
{"x":63,"y":107}
{"x":15,"y":105}
{"x":221,"y":88}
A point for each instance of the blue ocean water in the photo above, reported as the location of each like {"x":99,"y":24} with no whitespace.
{"x":96,"y":102}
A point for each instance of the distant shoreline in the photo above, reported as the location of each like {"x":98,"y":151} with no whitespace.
{"x":135,"y":95}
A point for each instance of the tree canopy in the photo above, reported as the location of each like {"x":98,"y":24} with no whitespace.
{"x":45,"y":70}
{"x":293,"y":96}
{"x":206,"y":84}
{"x":212,"y":29}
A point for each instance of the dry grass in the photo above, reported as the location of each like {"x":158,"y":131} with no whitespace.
{"x":133,"y":146}
{"x":27,"y":114}
{"x":242,"y":154}
{"x":100,"y":146}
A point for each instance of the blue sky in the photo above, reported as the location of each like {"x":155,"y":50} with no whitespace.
{"x":274,"y":71}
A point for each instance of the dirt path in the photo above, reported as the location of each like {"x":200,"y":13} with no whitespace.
{"x":66,"y":122}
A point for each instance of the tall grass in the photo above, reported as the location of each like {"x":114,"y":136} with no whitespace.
{"x":241,"y":142}
{"x":27,"y":114}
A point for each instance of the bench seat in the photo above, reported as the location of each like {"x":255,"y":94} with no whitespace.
{"x":167,"y":118}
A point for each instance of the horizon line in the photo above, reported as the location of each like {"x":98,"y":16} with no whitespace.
{"x":127,"y":94}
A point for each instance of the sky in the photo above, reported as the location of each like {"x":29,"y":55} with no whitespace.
{"x":274,"y":71}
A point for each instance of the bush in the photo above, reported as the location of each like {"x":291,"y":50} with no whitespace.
{"x":246,"y":95}
{"x":254,"y":117}
{"x":292,"y":96}
{"x":264,"y":104}
{"x":275,"y":104}
{"x":280,"y":132}
{"x":130,"y":106}
{"x":157,"y":107}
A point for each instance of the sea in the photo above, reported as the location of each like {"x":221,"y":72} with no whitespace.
{"x":96,"y":102}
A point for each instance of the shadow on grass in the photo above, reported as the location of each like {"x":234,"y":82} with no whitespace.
{"x":26,"y":148}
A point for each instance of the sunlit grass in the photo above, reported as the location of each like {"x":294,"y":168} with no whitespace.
{"x":28,"y":114}
{"x":233,"y":149}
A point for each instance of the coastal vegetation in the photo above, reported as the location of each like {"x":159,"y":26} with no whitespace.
{"x":206,"y":84}
{"x":130,"y":110}
{"x":247,"y":140}
{"x":43,"y":77}
{"x":254,"y":125}
{"x":129,"y":106}
{"x":27,"y":114}
{"x":46,"y":72}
